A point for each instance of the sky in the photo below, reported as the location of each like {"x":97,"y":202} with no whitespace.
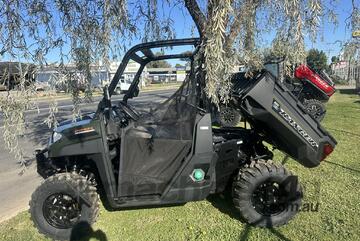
{"x":330,"y":37}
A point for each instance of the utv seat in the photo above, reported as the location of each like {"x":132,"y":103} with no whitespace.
{"x":142,"y":132}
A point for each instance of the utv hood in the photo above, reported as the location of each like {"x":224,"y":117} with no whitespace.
{"x":83,"y":120}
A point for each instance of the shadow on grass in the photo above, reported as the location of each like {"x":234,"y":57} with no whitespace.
{"x":278,"y":234}
{"x":84,"y":232}
{"x":285,"y":160}
{"x":223,"y":202}
{"x":346,"y":132}
{"x":342,"y":166}
{"x":349,"y":91}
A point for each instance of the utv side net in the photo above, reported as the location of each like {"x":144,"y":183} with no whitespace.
{"x":156,"y":146}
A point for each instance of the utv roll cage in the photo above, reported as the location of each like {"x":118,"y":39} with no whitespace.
{"x":148,"y":56}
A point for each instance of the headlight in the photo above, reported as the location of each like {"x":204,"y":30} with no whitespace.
{"x":56,"y":136}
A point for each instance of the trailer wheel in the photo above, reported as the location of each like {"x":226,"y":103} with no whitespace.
{"x":315,"y":108}
{"x":229,"y":117}
{"x":266,"y":195}
{"x":61,"y":202}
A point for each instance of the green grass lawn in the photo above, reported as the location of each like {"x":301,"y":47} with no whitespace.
{"x":335,"y":185}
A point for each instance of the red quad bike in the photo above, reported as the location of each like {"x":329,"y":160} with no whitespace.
{"x":313,"y":90}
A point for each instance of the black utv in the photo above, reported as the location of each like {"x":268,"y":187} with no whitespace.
{"x":173,"y":155}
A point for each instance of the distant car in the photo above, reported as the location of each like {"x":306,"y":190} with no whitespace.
{"x":123,"y":86}
{"x":10,"y":73}
{"x":41,"y":86}
{"x":3,"y":87}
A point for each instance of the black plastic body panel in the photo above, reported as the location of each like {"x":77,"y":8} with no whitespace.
{"x":311,"y":91}
{"x":182,"y":188}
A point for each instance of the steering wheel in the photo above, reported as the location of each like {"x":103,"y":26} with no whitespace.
{"x":129,"y":111}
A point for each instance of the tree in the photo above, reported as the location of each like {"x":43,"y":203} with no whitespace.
{"x":179,"y":65}
{"x":335,"y":59}
{"x":351,"y":48}
{"x":96,"y":31}
{"x":159,"y":63}
{"x":317,"y":60}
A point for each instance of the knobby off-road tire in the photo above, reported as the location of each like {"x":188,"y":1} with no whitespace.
{"x":264,"y":180}
{"x":315,"y":108}
{"x":229,"y":117}
{"x":63,"y":190}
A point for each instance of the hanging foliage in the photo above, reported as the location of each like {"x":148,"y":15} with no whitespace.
{"x":86,"y":33}
{"x":218,"y":63}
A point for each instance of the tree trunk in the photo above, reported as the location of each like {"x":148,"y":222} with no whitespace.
{"x":197,"y":15}
{"x":249,"y":43}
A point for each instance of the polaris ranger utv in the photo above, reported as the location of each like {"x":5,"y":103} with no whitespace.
{"x":172,"y":155}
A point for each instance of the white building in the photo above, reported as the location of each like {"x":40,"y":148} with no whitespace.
{"x":166,"y":75}
{"x":129,"y":73}
{"x":100,"y":75}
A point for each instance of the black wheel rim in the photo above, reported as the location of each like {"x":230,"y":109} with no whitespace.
{"x":267,"y":199}
{"x":228,"y":115}
{"x":61,"y":210}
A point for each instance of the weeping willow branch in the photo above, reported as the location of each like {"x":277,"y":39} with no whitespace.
{"x":13,"y":107}
{"x":218,"y":63}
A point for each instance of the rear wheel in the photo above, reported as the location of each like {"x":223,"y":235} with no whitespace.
{"x":266,"y":195}
{"x":229,"y":117}
{"x":61,"y":202}
{"x":315,"y":108}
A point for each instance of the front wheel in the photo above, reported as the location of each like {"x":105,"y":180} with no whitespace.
{"x":61,"y":202}
{"x":266,"y":195}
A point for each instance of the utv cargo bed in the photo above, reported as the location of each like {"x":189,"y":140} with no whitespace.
{"x":273,"y":110}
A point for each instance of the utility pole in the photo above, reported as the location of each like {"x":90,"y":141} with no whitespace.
{"x":356,"y":36}
{"x":349,"y":70}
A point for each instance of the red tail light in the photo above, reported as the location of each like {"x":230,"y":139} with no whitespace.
{"x":328,"y":149}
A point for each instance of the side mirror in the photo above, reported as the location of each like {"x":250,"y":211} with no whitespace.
{"x":106,"y":92}
{"x":133,"y":92}
{"x":136,"y":92}
{"x":107,"y":96}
